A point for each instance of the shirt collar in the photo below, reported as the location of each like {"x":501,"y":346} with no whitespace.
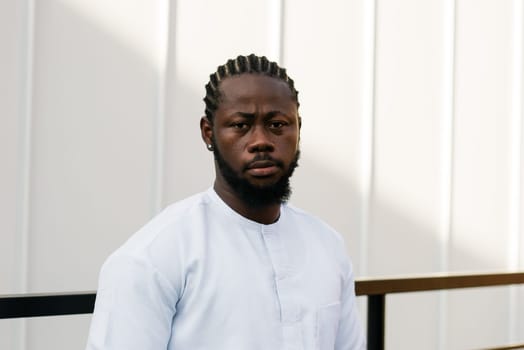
{"x":227,"y":210}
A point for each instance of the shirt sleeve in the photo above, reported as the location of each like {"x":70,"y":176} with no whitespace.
{"x":350,"y":335}
{"x":134,"y":308}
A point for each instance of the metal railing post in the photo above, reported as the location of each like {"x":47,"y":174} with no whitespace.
{"x":376,"y":321}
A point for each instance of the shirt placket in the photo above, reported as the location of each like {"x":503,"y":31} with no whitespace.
{"x":290,"y":312}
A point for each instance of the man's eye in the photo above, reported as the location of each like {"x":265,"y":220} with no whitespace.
{"x":276,"y":125}
{"x":240,"y":126}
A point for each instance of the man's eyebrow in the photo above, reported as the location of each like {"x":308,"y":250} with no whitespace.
{"x":248,"y":115}
{"x":245,"y":115}
{"x":271,"y":114}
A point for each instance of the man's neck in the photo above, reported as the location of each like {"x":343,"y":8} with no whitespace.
{"x":266,"y":215}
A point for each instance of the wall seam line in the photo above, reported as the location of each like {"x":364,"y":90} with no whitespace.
{"x":447,"y":159}
{"x":282,"y":33}
{"x":368,"y":132}
{"x":275,"y":33}
{"x":516,"y":166}
{"x":23,"y":216}
{"x":163,"y":32}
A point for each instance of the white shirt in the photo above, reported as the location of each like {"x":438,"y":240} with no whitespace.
{"x":201,"y":276}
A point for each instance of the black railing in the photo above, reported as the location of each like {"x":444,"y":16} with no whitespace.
{"x":34,"y":305}
{"x":376,"y":289}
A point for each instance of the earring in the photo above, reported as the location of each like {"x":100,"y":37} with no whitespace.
{"x":209,"y":147}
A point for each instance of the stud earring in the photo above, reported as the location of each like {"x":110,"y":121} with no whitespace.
{"x":209,"y":147}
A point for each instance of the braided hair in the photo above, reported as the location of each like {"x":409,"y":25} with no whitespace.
{"x":243,"y":65}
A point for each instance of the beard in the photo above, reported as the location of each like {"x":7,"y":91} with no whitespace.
{"x":253,"y":195}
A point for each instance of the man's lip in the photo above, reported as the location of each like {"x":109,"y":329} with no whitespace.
{"x":265,"y":171}
{"x":261,"y":164}
{"x":262,"y":168}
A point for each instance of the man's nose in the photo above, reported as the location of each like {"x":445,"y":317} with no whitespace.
{"x":260,"y":140}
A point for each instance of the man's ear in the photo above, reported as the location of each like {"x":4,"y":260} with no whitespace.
{"x":206,"y":130}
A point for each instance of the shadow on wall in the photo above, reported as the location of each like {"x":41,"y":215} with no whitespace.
{"x":412,"y":319}
{"x":92,"y":141}
{"x":97,"y":146}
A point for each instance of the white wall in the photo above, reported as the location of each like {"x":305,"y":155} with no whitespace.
{"x":411,"y":142}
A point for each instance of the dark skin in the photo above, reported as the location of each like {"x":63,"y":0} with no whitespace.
{"x":257,"y":115}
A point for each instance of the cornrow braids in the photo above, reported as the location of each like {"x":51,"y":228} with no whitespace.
{"x":243,"y":65}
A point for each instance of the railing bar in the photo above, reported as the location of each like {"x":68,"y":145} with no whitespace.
{"x":376,"y":322}
{"x":34,"y":305}
{"x":46,"y":305}
{"x":437,"y":282}
{"x":508,"y":347}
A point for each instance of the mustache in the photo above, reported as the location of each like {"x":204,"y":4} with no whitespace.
{"x":264,"y":158}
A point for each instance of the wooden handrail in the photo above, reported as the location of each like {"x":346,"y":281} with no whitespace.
{"x":438,"y":281}
{"x":509,"y":347}
{"x":376,"y":290}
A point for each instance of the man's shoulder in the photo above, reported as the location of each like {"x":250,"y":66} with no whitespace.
{"x":320,"y":235}
{"x":178,"y":211}
{"x":303,"y":218}
{"x":166,"y":225}
{"x":183,"y":207}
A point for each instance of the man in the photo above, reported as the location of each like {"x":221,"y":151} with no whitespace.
{"x":235,"y":267}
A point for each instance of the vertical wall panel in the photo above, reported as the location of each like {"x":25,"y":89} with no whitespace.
{"x":480,"y":218}
{"x":12,"y":30}
{"x":203,"y":36}
{"x":328,"y":64}
{"x":407,"y":140}
{"x":61,"y":333}
{"x":405,"y":208}
{"x":93,"y":148}
{"x":13,"y":35}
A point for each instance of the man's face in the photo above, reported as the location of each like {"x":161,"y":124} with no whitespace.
{"x":255,"y":137}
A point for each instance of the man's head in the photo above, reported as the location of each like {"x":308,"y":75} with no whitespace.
{"x":253,"y":128}
{"x":243,"y":65}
